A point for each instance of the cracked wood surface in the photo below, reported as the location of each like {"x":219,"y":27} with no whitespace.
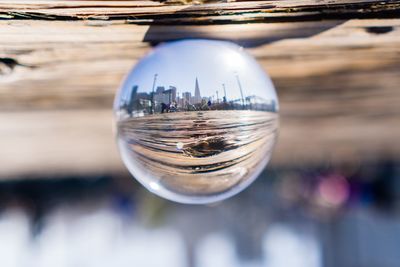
{"x":335,"y":65}
{"x":152,"y":12}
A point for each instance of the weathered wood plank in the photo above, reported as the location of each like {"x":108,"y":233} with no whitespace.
{"x":337,"y":81}
{"x":155,"y":13}
{"x":76,"y":65}
{"x":40,"y":144}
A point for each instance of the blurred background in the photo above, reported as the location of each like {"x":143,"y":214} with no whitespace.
{"x":303,"y":217}
{"x":330,"y":196}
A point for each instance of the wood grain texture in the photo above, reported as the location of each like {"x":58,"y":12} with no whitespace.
{"x":338,"y":84}
{"x":57,"y":143}
{"x":152,"y":12}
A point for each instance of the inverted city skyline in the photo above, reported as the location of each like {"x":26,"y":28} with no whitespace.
{"x":213,"y":67}
{"x":162,"y":100}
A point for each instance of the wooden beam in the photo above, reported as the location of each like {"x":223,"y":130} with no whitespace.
{"x":337,"y":82}
{"x":62,"y":61}
{"x":152,"y":12}
{"x":57,"y":143}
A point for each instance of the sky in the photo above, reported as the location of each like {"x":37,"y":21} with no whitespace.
{"x":213,"y":62}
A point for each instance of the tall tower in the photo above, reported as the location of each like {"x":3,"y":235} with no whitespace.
{"x":223,"y":86}
{"x":197,"y":95}
{"x":152,"y":94}
{"x":240,"y":87}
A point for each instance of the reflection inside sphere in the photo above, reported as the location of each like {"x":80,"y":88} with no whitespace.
{"x":196,"y":120}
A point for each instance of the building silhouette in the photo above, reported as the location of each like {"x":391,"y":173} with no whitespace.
{"x":187,"y":97}
{"x":171,"y":93}
{"x":197,"y":95}
{"x":160,"y":89}
{"x":165,"y":96}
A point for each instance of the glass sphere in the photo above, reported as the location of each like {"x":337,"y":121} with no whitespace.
{"x":196,"y":120}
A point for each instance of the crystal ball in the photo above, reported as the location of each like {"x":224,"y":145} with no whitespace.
{"x":196,"y":120}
